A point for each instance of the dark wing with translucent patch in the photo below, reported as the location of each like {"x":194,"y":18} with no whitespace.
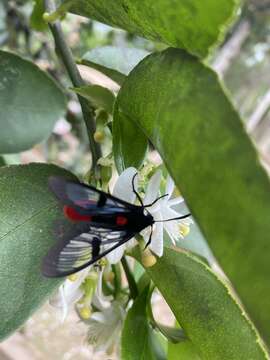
{"x":86,"y":199}
{"x":69,"y":256}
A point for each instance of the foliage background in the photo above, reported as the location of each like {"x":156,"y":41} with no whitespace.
{"x":242,"y":61}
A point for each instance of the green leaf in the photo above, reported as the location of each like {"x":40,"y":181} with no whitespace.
{"x":194,"y":25}
{"x":2,"y":161}
{"x":99,"y":96}
{"x":115,"y":62}
{"x":138,"y":340}
{"x":36,"y":19}
{"x":205,"y":308}
{"x":30,"y":104}
{"x":181,"y":106}
{"x":184,"y":351}
{"x":174,"y":335}
{"x":27,"y":214}
{"x":196,"y":243}
{"x":130,"y":145}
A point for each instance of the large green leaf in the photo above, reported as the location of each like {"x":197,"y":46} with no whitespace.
{"x":130,"y":145}
{"x":184,"y":351}
{"x":30,"y":104}
{"x":138,"y":340}
{"x":115,"y":62}
{"x":194,"y":25}
{"x":181,"y":106}
{"x":2,"y":161}
{"x":27,"y":213}
{"x":205,"y":308}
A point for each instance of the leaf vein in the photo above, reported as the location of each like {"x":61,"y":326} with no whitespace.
{"x":27,"y":220}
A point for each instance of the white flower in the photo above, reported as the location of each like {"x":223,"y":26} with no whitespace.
{"x":105,"y":327}
{"x":70,"y":292}
{"x":161,"y":210}
{"x":99,"y":299}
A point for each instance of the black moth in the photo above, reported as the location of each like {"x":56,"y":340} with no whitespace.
{"x":100,"y":223}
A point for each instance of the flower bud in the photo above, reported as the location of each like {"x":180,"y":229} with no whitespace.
{"x":99,"y":136}
{"x":148,"y":259}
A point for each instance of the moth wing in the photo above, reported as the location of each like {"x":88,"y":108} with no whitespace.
{"x":86,"y":198}
{"x":70,"y":256}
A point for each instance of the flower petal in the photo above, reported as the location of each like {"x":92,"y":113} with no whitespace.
{"x":115,"y":256}
{"x":123,"y":186}
{"x":157,"y":238}
{"x":104,"y":327}
{"x":168,"y":213}
{"x":64,"y":304}
{"x":169,"y":186}
{"x":70,"y":290}
{"x":102,"y":300}
{"x":176,"y":201}
{"x":152,"y":188}
{"x":172,"y":230}
{"x":131,"y":243}
{"x":99,"y":317}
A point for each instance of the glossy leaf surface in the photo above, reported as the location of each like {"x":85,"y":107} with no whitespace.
{"x":181,"y":106}
{"x":115,"y":62}
{"x":28,"y":211}
{"x":194,"y":25}
{"x":30,"y":104}
{"x":205,"y":308}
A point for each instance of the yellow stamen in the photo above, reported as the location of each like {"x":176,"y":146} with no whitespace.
{"x":103,"y":262}
{"x":85,"y":312}
{"x":73,"y":277}
{"x":184,"y":229}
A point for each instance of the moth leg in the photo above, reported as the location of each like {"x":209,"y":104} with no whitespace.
{"x":134,"y":190}
{"x":150,"y":238}
{"x":160,"y":197}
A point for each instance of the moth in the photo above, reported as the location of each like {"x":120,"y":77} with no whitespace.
{"x":99,"y":223}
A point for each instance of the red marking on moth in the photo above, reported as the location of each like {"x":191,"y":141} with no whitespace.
{"x":73,"y":215}
{"x":121,"y":220}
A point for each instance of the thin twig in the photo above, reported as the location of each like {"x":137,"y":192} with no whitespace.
{"x":65,"y":54}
